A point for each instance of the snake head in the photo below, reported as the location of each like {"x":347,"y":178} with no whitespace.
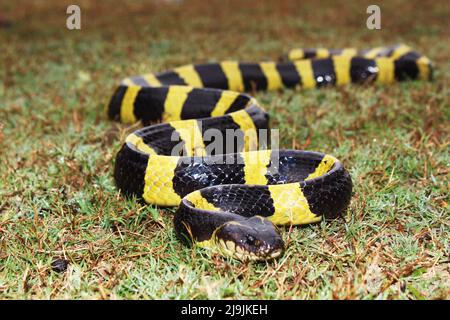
{"x":255,"y":238}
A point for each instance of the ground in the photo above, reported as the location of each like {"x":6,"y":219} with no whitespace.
{"x":57,"y":193}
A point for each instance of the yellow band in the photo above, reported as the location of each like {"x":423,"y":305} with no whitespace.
{"x":291,"y":206}
{"x":127,"y":107}
{"x":233,"y":74}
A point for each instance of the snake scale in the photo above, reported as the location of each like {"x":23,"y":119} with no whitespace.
{"x":231,"y":200}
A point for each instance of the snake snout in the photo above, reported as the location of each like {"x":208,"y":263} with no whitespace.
{"x":255,"y":238}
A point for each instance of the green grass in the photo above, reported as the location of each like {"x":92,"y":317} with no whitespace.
{"x":57,"y":194}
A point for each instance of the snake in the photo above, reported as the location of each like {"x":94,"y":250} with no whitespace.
{"x":234,"y":200}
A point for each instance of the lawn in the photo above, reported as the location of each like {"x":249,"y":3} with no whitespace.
{"x":58,"y":201}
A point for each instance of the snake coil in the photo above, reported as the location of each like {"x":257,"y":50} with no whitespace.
{"x":232,"y":201}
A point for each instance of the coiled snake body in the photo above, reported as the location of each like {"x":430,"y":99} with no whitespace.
{"x":231,"y":201}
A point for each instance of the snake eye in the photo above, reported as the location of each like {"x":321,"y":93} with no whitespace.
{"x":251,"y":240}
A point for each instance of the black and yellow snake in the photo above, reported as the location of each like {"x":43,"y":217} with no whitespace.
{"x":231,"y":201}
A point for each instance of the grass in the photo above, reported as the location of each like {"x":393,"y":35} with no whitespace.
{"x":57,"y":194}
